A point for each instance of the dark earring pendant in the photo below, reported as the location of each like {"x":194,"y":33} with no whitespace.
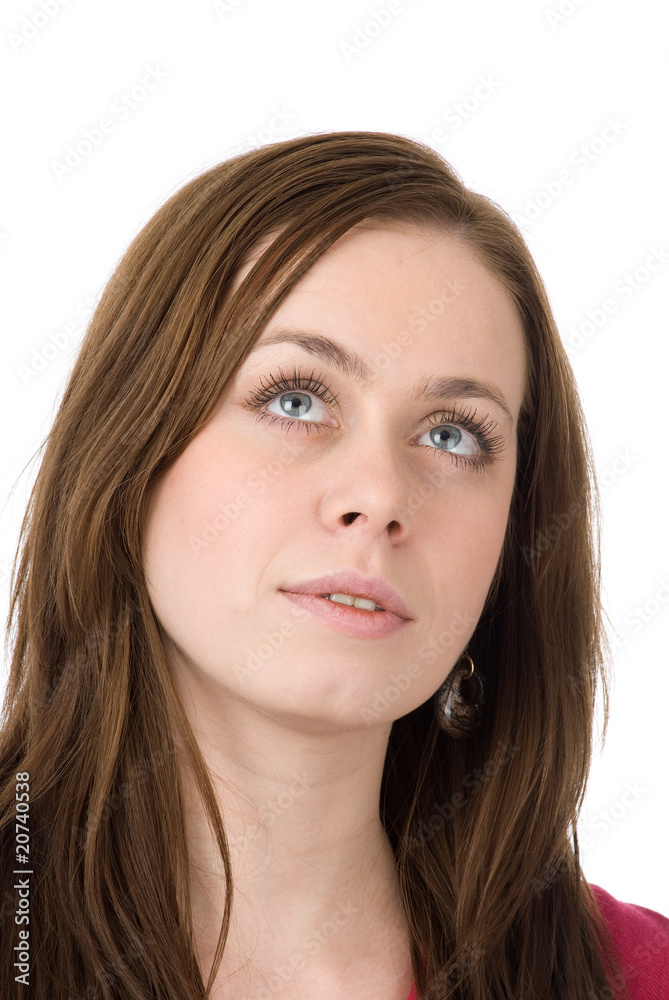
{"x":459,"y":703}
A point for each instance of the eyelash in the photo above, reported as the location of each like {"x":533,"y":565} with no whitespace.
{"x":480,"y":429}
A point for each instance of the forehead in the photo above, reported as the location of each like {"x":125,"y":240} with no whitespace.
{"x":415,"y":259}
{"x":384,"y":281}
{"x":365,"y":238}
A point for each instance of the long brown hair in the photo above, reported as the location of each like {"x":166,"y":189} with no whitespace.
{"x":483,"y":829}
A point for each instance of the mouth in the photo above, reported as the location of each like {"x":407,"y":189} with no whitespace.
{"x":352,"y":590}
{"x":349,"y":614}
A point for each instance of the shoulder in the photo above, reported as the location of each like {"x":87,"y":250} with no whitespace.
{"x":641,"y":939}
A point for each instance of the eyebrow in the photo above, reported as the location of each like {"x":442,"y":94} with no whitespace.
{"x":353,"y":366}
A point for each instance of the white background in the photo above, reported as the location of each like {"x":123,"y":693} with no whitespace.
{"x":509,"y":93}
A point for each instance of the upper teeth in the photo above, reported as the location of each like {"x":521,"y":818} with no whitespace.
{"x":352,"y":601}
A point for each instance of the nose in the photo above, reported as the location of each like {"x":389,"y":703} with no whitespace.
{"x":366,"y":485}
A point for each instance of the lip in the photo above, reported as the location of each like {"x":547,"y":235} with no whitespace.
{"x":351,"y":582}
{"x":354,"y":621}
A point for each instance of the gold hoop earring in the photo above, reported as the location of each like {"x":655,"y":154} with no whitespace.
{"x":459,"y":700}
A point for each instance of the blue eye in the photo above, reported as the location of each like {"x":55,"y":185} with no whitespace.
{"x":295,"y":404}
{"x":451,"y":436}
{"x":450,"y":428}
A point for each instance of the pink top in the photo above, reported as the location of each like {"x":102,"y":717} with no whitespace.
{"x":641,"y":938}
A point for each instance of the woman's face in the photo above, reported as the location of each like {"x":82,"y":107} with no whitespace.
{"x":257,"y":503}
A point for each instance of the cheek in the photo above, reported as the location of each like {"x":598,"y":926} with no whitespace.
{"x":483,"y":529}
{"x":467,"y":558}
{"x":215,"y":521}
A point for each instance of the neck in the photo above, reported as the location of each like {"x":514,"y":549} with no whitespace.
{"x":314,"y":876}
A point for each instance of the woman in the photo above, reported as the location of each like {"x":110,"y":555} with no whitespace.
{"x":300,"y":704}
